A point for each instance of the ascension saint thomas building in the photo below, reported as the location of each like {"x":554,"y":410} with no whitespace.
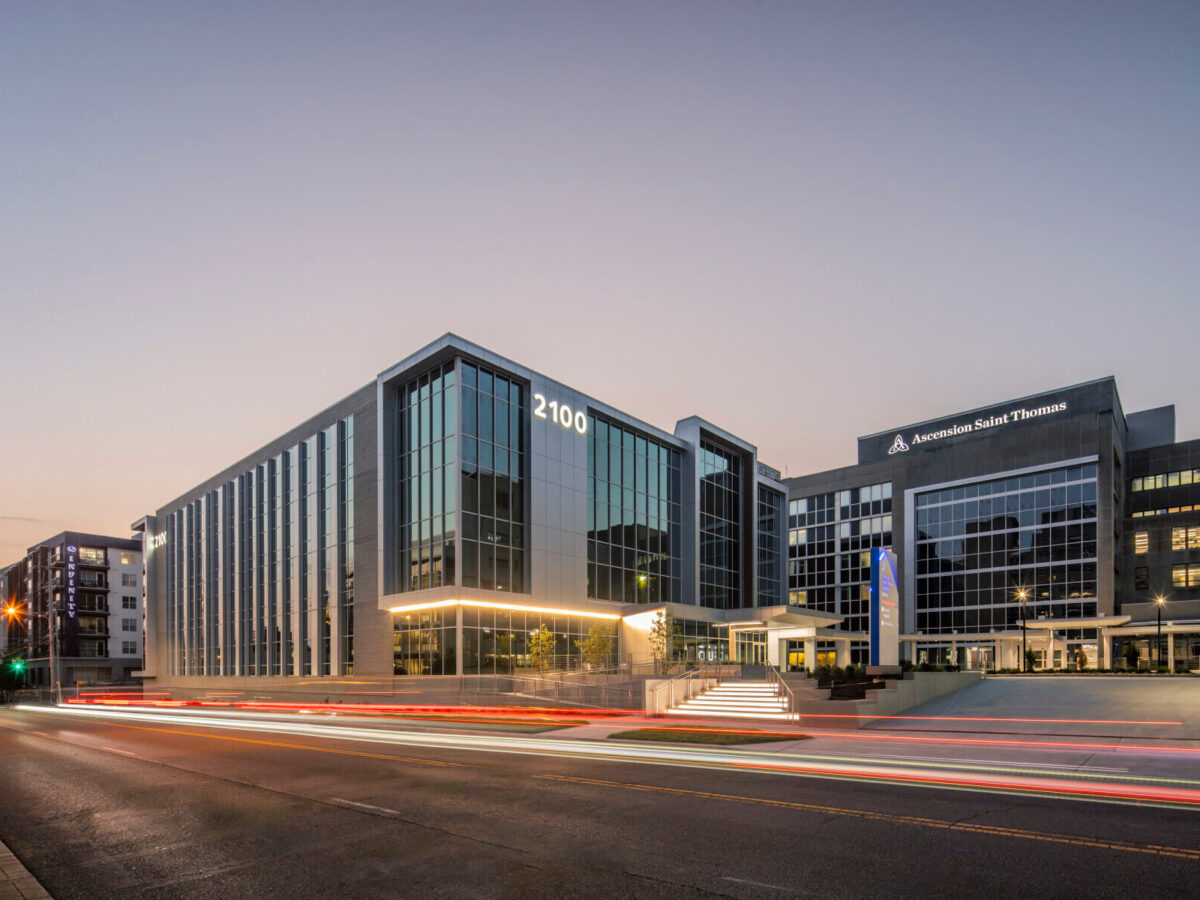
{"x":429,"y":522}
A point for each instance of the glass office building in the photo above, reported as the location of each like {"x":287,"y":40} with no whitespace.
{"x":432,"y":521}
{"x":1021,"y":513}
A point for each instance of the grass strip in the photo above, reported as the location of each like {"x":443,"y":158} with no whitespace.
{"x":705,"y":736}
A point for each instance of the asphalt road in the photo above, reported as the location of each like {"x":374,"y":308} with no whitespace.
{"x":123,"y":809}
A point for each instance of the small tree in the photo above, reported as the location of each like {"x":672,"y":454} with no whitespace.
{"x":662,"y":632}
{"x":597,"y":647}
{"x":1030,"y":660}
{"x":541,"y":647}
{"x":1080,"y":659}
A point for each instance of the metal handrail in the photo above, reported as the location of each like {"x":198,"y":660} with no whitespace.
{"x":773,"y":676}
{"x":699,"y":672}
{"x":553,"y":689}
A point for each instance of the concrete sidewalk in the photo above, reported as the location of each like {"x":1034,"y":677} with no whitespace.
{"x":15,"y":881}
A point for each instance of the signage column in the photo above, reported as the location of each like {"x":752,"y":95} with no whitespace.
{"x":70,"y":622}
{"x":885,"y":609}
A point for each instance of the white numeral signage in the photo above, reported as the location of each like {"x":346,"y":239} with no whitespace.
{"x":560,"y":413}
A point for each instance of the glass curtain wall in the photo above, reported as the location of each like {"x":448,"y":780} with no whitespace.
{"x":770,"y":551}
{"x":830,"y":539}
{"x":496,"y":641}
{"x":720,"y":528}
{"x":423,"y":642}
{"x":427,"y":415}
{"x":494,"y":537}
{"x":633,"y":516}
{"x":978,"y":545}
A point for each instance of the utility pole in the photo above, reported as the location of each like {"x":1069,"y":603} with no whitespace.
{"x":55,"y":683}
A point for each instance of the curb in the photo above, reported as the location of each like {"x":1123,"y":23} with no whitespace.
{"x":15,"y":881}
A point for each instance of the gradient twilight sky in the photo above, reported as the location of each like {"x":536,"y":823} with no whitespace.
{"x":802,"y":221}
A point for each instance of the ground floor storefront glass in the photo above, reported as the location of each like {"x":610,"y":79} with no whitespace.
{"x":750,"y":647}
{"x":494,"y":641}
{"x":423,"y":642}
{"x":701,"y":642}
{"x":1140,"y":652}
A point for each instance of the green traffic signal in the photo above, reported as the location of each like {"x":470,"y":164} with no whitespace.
{"x":17,"y":665}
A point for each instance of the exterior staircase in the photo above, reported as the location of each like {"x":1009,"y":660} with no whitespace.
{"x":737,"y":700}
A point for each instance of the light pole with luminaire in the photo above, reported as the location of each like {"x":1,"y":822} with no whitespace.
{"x":1023,"y":595}
{"x":13,"y":612}
{"x":1159,"y":599}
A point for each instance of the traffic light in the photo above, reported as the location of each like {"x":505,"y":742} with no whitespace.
{"x":16,"y":665}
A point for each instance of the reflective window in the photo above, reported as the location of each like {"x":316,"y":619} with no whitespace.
{"x":1186,"y":537}
{"x":980,"y":545}
{"x":720,"y":527}
{"x":770,"y":555}
{"x":1186,"y":576}
{"x":496,"y":641}
{"x":427,"y":416}
{"x":632,"y":515}
{"x":828,"y":563}
{"x":492,"y":492}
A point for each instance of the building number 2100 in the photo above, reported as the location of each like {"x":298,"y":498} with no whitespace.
{"x":560,"y":413}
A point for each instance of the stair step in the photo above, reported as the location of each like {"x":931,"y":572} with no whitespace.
{"x":677,"y":711}
{"x":708,"y":701}
{"x":737,"y":700}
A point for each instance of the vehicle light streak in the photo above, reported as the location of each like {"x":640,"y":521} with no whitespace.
{"x":559,"y":715}
{"x":384,"y":709}
{"x":1000,"y":742}
{"x":992,"y":778}
{"x":983,"y":719}
{"x":1071,"y":746}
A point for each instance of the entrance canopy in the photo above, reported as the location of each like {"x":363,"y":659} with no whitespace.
{"x":773,"y":617}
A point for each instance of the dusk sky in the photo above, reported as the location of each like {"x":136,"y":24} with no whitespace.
{"x":803,"y":222}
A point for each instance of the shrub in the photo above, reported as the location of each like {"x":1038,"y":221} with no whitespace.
{"x":1131,"y":656}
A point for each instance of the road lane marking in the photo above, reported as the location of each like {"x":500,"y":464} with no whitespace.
{"x":995,"y":830}
{"x":119,"y":750}
{"x":242,"y":740}
{"x":762,"y":884}
{"x":382,"y":809}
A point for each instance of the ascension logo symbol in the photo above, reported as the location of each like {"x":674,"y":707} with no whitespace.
{"x":898,"y":445}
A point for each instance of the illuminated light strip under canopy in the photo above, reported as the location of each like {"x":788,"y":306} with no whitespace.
{"x":437,"y":604}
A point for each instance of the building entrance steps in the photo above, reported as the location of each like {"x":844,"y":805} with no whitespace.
{"x":737,"y":700}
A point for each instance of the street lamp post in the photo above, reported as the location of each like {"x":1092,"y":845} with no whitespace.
{"x":1159,"y":600}
{"x":1023,"y":595}
{"x":13,"y":612}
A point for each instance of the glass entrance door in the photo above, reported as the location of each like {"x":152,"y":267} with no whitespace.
{"x":750,"y":647}
{"x":795,"y":656}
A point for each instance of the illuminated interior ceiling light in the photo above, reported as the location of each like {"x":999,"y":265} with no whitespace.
{"x":515,"y":607}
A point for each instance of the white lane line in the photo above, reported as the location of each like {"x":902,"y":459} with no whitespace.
{"x":119,"y":750}
{"x":996,"y":762}
{"x":382,"y":809}
{"x":774,"y":887}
